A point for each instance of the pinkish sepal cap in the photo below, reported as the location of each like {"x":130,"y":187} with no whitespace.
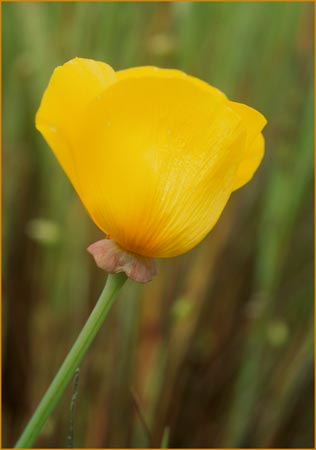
{"x":110,"y":257}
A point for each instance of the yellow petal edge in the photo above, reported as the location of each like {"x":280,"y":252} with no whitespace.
{"x":154,"y":154}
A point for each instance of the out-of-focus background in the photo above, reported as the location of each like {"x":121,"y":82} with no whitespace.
{"x":217,"y":351}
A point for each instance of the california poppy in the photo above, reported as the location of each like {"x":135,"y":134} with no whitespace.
{"x":154,"y":155}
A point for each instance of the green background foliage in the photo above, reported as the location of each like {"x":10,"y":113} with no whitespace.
{"x":219,"y":347}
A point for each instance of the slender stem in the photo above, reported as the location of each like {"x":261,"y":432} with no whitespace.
{"x":66,"y":371}
{"x":70,"y":437}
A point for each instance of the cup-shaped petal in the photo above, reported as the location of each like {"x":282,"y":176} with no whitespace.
{"x":254,"y":123}
{"x":71,"y":88}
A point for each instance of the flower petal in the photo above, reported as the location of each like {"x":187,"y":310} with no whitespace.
{"x":250,"y":163}
{"x":163,"y":155}
{"x":157,"y":72}
{"x":71,"y":88}
{"x":254,"y":123}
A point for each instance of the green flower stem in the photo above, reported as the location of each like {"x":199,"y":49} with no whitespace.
{"x":66,"y":371}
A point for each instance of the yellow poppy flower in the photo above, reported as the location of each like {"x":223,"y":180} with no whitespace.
{"x":154,"y":154}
